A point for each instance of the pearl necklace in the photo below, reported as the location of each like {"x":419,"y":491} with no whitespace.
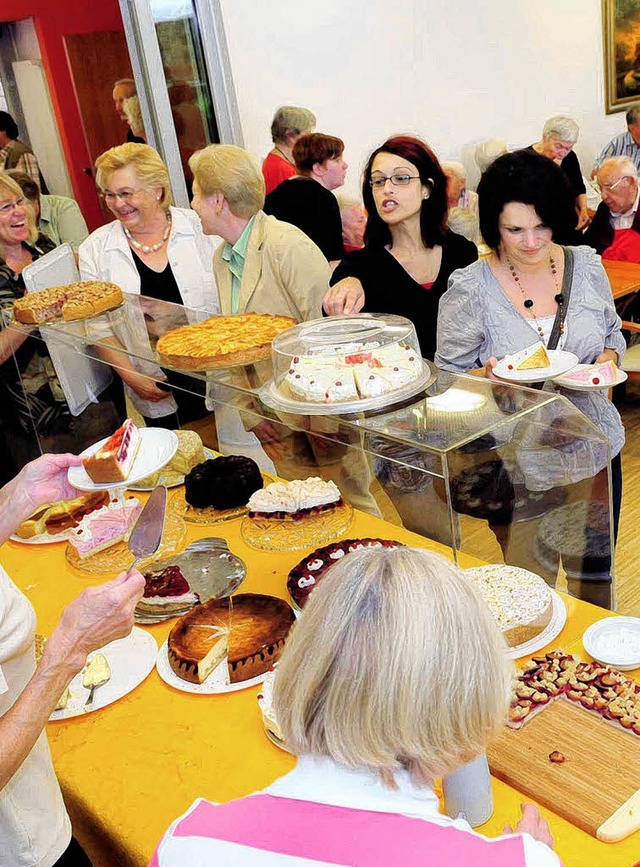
{"x":149,"y":248}
{"x":528,"y":302}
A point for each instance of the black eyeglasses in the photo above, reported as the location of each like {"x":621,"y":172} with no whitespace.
{"x":398,"y":179}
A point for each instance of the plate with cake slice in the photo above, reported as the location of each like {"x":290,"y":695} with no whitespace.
{"x":536,"y":363}
{"x":225,"y":645}
{"x":128,"y":455}
{"x":592,"y":377}
{"x":114,"y":671}
{"x":57,"y":521}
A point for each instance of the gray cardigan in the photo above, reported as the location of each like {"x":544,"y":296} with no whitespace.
{"x":477,"y":320}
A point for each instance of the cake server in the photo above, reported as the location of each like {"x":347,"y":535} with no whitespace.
{"x":147,"y":533}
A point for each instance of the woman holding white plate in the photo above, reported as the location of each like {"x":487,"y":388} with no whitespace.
{"x":34,"y":825}
{"x":533,"y":289}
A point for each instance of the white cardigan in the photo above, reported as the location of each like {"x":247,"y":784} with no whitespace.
{"x":106,"y":255}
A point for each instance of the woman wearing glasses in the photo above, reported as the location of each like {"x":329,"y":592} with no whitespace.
{"x":155,"y":250}
{"x":409,"y":252}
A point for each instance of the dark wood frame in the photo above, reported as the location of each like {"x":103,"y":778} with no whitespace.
{"x":617,"y":63}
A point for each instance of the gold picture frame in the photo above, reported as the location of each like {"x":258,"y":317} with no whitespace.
{"x":621,"y":41}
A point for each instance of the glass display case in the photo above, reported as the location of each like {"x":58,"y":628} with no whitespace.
{"x":502,"y":472}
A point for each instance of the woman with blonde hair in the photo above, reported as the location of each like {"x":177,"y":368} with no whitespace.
{"x":395,"y":673}
{"x":151,"y":249}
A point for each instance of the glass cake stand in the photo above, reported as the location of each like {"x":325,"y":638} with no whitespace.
{"x":274,"y":534}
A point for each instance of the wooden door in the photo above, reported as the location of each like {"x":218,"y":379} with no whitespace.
{"x":96,"y":61}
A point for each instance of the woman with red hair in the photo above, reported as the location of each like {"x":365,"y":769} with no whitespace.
{"x":409,"y":252}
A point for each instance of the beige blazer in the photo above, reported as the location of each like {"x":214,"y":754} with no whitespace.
{"x":284,"y":272}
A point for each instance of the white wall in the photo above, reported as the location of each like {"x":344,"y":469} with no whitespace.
{"x":454,"y":72}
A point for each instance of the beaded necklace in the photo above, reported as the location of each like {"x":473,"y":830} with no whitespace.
{"x":149,"y":248}
{"x":528,"y":302}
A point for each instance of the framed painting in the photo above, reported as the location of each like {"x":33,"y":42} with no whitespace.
{"x":621,"y":35}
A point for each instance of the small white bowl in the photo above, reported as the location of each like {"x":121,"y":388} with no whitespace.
{"x":614,"y":641}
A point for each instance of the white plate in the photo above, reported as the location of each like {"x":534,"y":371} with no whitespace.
{"x":621,"y":376}
{"x":157,"y":447}
{"x":43,"y":538}
{"x":214,"y":684}
{"x":601,"y":634}
{"x":166,"y":481}
{"x":553,"y":628}
{"x":130,"y":659}
{"x":561,"y":362}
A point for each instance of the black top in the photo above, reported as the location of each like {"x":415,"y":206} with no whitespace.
{"x":573,"y":173}
{"x":312,"y":208}
{"x":388,"y":288}
{"x":157,"y":284}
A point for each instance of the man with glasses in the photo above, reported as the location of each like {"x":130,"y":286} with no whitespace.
{"x":615,"y":229}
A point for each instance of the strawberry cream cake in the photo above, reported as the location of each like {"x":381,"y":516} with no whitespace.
{"x":105,"y":527}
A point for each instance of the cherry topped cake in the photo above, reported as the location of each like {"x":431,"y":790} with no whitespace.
{"x":294,"y":500}
{"x":223,"y":483}
{"x":113,"y":461}
{"x":248,"y":629}
{"x":304,"y":577}
{"x":166,"y":591}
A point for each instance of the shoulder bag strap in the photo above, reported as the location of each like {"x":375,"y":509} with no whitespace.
{"x":567,"y":281}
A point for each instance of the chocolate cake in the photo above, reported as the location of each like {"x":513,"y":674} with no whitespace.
{"x":224,"y":483}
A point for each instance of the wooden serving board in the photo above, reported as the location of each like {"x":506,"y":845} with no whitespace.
{"x":597,"y":788}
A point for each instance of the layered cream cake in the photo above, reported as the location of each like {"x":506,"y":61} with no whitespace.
{"x":594,"y":374}
{"x":352,"y":371}
{"x":520,"y":601}
{"x":248,"y":629}
{"x":106,"y":526}
{"x":112,"y":462}
{"x":532,"y":357}
{"x":294,"y":500}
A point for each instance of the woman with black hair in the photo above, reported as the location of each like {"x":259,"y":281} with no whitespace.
{"x":409,"y":252}
{"x":533,"y":289}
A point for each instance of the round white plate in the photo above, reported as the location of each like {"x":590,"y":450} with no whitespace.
{"x":166,"y":480}
{"x":621,"y":376}
{"x":43,"y":538}
{"x":214,"y":684}
{"x":130,"y":659}
{"x":157,"y":447}
{"x":561,"y":362}
{"x":553,"y":628}
{"x":601,"y":635}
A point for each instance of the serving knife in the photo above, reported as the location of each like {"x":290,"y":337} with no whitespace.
{"x":147,"y":533}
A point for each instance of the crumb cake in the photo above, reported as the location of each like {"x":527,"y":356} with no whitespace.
{"x":310,"y":570}
{"x":294,"y":500}
{"x":113,"y":461}
{"x":520,"y":601}
{"x":190,"y":453}
{"x":75,"y":301}
{"x":166,"y":591}
{"x":223,"y":483}
{"x":248,"y":629}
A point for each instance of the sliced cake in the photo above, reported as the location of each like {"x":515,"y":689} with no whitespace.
{"x":166,"y":591}
{"x":594,"y":374}
{"x":113,"y":461}
{"x":105,"y":527}
{"x":532,"y":357}
{"x":248,"y":629}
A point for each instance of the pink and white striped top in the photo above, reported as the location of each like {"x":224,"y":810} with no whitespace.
{"x":272,"y":829}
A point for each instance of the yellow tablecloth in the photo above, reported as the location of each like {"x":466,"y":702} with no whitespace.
{"x":129,"y":769}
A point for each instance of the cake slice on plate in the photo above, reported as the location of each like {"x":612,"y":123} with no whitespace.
{"x":605,"y":373}
{"x":532,"y":357}
{"x":113,"y":461}
{"x":166,"y":591}
{"x":105,"y":526}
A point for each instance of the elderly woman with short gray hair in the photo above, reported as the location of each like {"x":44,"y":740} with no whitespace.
{"x":376,"y":696}
{"x":288,"y":125}
{"x":559,"y":135}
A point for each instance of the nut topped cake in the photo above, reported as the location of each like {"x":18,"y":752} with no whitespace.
{"x":520,"y":601}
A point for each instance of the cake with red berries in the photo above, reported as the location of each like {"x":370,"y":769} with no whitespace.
{"x":294,"y":500}
{"x":603,"y":375}
{"x":112,"y":462}
{"x":311,"y":569}
{"x":166,"y":592}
